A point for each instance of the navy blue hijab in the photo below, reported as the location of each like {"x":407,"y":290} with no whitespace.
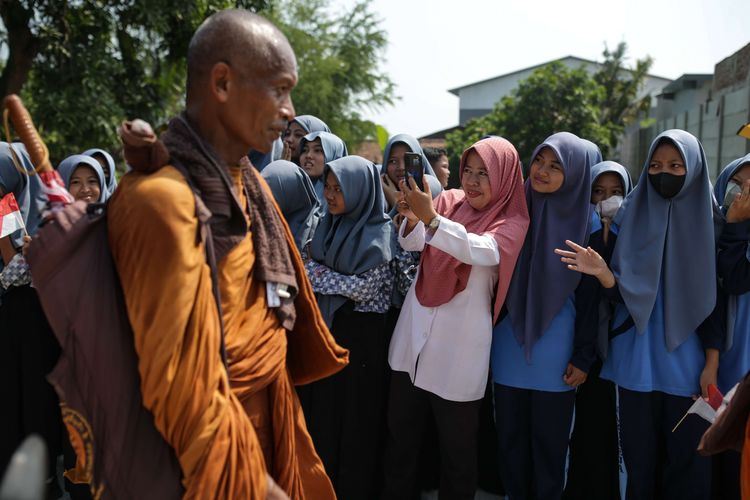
{"x":540,"y":285}
{"x":359,"y":239}
{"x":25,"y":185}
{"x":669,"y":241}
{"x":294,"y":192}
{"x":70,"y":164}
{"x":333,"y":149}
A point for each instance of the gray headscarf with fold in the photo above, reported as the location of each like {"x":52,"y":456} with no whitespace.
{"x":296,"y":197}
{"x":69,"y":165}
{"x":361,"y":238}
{"x":111,"y":184}
{"x":669,"y":241}
{"x":413,"y":145}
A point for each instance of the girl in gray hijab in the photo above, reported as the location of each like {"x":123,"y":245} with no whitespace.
{"x":664,"y":347}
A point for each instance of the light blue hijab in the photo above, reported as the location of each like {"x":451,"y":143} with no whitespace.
{"x":603,"y":167}
{"x":70,"y":164}
{"x":111,"y":184}
{"x":669,"y":241}
{"x":26,"y":187}
{"x":720,"y":191}
{"x":361,"y":238}
{"x":540,"y":285}
{"x":294,"y":192}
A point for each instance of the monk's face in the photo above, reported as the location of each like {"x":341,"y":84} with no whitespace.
{"x":258,"y":104}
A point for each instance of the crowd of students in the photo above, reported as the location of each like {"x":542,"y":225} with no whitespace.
{"x":596,"y":311}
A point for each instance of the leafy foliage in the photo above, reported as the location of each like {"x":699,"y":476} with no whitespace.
{"x":93,"y":63}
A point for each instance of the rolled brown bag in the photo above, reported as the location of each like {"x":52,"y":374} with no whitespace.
{"x":142,"y":149}
{"x":27,"y":132}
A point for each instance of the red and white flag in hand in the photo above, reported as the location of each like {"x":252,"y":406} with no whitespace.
{"x":705,"y":408}
{"x":54,"y":188}
{"x":11,"y":219}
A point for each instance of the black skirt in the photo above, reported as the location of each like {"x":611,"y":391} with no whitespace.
{"x":28,"y":352}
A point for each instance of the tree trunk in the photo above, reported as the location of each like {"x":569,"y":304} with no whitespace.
{"x":22,"y":47}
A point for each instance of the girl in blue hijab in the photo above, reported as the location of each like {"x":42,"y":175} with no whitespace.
{"x":664,"y":348}
{"x":84,"y":178}
{"x":299,"y":127}
{"x":732,"y":191}
{"x":295,"y":195}
{"x":108,"y":166}
{"x":543,"y":345}
{"x":393,"y":169}
{"x":351,"y":274}
{"x":316,"y":150}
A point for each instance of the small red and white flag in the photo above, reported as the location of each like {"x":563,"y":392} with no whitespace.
{"x":705,"y":408}
{"x":11,"y":219}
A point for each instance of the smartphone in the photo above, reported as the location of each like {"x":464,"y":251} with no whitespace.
{"x":414,"y":168}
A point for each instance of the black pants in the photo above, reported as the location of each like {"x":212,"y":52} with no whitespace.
{"x":594,"y":468}
{"x":533,"y":429}
{"x":345,"y":412}
{"x":661,"y":463}
{"x":28,"y":352}
{"x":408,"y":409}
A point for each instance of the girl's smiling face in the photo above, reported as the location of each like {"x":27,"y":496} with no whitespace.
{"x":84,"y":184}
{"x":546,"y":173}
{"x":475,"y":181}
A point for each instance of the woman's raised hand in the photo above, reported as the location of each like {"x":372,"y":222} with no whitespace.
{"x":739,"y":210}
{"x":420,"y":202}
{"x":587,"y":261}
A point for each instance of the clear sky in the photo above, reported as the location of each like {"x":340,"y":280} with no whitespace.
{"x":440,"y":44}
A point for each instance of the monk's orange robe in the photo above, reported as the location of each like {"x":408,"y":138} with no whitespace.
{"x":167,"y":288}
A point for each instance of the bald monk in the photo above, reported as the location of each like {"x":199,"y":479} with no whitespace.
{"x":238,"y":433}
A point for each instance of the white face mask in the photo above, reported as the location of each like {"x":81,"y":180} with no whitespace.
{"x":609,"y":207}
{"x":732,"y":190}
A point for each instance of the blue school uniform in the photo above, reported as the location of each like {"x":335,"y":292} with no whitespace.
{"x":549,"y":358}
{"x":641,"y":362}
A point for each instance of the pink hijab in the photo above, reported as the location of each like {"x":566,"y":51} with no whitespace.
{"x":505,"y":218}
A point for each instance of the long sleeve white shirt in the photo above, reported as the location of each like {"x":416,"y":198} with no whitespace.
{"x":446,"y":349}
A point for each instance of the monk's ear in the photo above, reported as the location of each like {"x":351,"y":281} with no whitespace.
{"x":221,"y":76}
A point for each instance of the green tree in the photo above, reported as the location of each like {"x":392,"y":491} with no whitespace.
{"x":338,"y":57}
{"x":556,"y":98}
{"x":83,"y":66}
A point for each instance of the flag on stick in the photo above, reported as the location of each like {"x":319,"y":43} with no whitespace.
{"x":11,"y":219}
{"x":705,"y":408}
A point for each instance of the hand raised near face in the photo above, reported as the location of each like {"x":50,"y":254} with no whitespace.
{"x":739,"y":210}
